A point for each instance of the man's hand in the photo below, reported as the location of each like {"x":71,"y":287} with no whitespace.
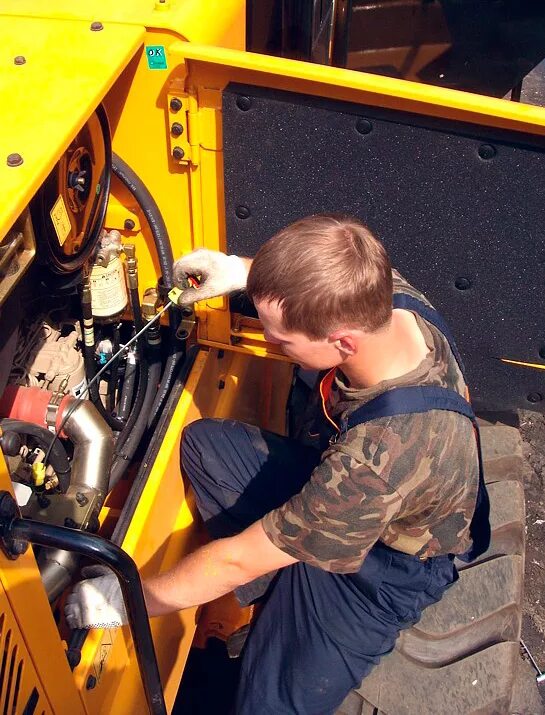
{"x":220,"y":274}
{"x":96,"y":603}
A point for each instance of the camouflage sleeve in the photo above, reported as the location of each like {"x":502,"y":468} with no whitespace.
{"x":338,"y":515}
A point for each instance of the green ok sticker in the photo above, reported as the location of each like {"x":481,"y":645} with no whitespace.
{"x":157,"y":59}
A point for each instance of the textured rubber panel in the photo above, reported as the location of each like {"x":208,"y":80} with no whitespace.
{"x":459,"y":208}
{"x":463,"y":655}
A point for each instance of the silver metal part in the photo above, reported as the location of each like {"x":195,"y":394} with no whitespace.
{"x":93,"y":453}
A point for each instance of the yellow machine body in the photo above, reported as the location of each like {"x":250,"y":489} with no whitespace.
{"x":69,"y":69}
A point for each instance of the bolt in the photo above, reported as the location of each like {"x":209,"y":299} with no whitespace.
{"x":129,"y":224}
{"x":221,"y":384}
{"x":96,"y":26}
{"x":175,"y":104}
{"x":81,"y":499}
{"x":19,"y":60}
{"x":43,"y":501}
{"x":364,"y":126}
{"x":187,"y":312}
{"x":534,"y":397}
{"x":18,"y":547}
{"x":221,"y":353}
{"x":243,"y":103}
{"x":91,"y":682}
{"x":70,"y":523}
{"x":487,"y":151}
{"x":462,"y":283}
{"x":178,"y":153}
{"x":14,"y":160}
{"x":235,"y":340}
{"x":176,"y":129}
{"x":242,"y":212}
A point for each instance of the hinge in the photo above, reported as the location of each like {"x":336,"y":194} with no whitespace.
{"x":183,"y":146}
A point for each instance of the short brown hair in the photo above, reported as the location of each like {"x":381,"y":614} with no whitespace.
{"x":327,"y":271}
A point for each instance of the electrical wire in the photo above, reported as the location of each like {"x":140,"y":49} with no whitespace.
{"x":121,"y":350}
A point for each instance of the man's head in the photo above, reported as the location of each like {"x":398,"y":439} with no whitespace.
{"x":319,"y":286}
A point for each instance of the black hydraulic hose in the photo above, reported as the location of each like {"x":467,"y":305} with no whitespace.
{"x":143,"y":377}
{"x":94,"y":396}
{"x":164,"y":251}
{"x":125,"y":452}
{"x":114,"y":371}
{"x":58,"y":458}
{"x":152,"y":213}
{"x":101,"y":550}
{"x":127,"y":391}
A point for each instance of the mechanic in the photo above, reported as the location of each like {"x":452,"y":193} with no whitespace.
{"x":357,"y":532}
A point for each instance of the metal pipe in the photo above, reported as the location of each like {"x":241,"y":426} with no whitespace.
{"x":99,"y":549}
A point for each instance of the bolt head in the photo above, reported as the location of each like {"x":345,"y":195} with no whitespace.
{"x":176,"y":129}
{"x":91,"y":682}
{"x":96,"y":26}
{"x":14,"y":160}
{"x":534,"y":397}
{"x":19,"y":60}
{"x":178,"y":153}
{"x":242,"y":212}
{"x":364,"y":126}
{"x":243,"y":103}
{"x":129,"y":224}
{"x":175,"y":104}
{"x":487,"y":151}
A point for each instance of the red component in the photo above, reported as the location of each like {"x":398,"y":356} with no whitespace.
{"x":30,"y":404}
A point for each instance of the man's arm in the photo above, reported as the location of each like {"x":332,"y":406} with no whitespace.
{"x":209,"y":572}
{"x":213,"y":570}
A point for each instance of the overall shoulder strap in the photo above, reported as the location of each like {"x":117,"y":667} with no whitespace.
{"x":409,"y":302}
{"x":423,"y":398}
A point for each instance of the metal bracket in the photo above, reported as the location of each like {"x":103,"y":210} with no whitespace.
{"x":11,"y":546}
{"x":178,"y":111}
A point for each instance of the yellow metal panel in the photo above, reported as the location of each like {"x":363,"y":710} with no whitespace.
{"x":46,"y":100}
{"x":219,"y":22}
{"x":214,"y":67}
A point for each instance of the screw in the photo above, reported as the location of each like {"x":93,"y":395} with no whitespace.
{"x":91,"y":682}
{"x":18,"y":547}
{"x":96,"y":26}
{"x":175,"y":104}
{"x":19,"y":60}
{"x":178,"y":153}
{"x":364,"y":126}
{"x":534,"y":397}
{"x":487,"y":151}
{"x":242,"y":212}
{"x":129,"y":224}
{"x":243,"y":103}
{"x":14,"y":160}
{"x":81,"y":499}
{"x":176,"y":129}
{"x":462,"y":283}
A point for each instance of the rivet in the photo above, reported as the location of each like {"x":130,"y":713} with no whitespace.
{"x":178,"y":153}
{"x":175,"y":104}
{"x":19,"y":60}
{"x":176,"y":129}
{"x":14,"y":160}
{"x":487,"y":151}
{"x":243,"y":103}
{"x":363,"y":126}
{"x":534,"y":397}
{"x":462,"y":283}
{"x":242,"y":212}
{"x":96,"y":26}
{"x":129,"y":224}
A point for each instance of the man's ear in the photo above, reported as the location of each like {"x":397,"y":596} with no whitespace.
{"x":345,"y":342}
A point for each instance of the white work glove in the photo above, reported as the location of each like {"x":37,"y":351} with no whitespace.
{"x":96,"y":603}
{"x":220,"y":274}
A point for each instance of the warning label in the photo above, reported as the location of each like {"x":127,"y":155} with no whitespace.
{"x":61,"y":220}
{"x":102,"y":654}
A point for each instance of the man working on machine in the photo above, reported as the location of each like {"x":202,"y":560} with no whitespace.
{"x":363,"y":528}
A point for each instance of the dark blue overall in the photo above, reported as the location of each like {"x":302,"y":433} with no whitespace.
{"x":319,"y":633}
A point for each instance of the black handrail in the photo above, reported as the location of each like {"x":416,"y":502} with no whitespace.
{"x":17,"y":531}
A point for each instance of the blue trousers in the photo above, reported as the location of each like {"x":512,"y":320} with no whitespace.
{"x":319,"y":633}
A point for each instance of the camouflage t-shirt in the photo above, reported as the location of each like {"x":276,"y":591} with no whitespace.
{"x":409,"y":480}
